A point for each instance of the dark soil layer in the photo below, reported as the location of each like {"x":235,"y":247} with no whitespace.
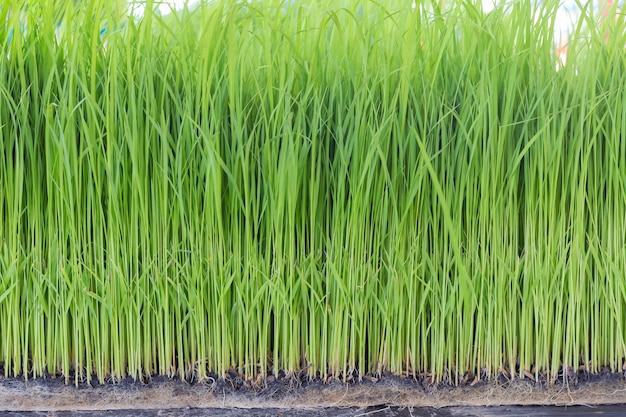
{"x":303,"y":397}
{"x":510,"y":411}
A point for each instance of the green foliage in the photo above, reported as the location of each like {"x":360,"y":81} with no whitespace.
{"x":334,"y":187}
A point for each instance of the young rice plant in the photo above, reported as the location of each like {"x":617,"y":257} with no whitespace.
{"x":330,"y":188}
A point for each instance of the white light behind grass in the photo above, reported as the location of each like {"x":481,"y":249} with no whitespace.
{"x":137,"y":8}
{"x":336,"y":189}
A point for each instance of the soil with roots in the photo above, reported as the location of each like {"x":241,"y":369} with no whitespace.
{"x":52,"y":394}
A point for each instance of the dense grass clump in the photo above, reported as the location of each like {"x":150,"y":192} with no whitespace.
{"x":336,"y":187}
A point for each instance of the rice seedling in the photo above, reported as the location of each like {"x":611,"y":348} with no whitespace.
{"x":332,"y":189}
